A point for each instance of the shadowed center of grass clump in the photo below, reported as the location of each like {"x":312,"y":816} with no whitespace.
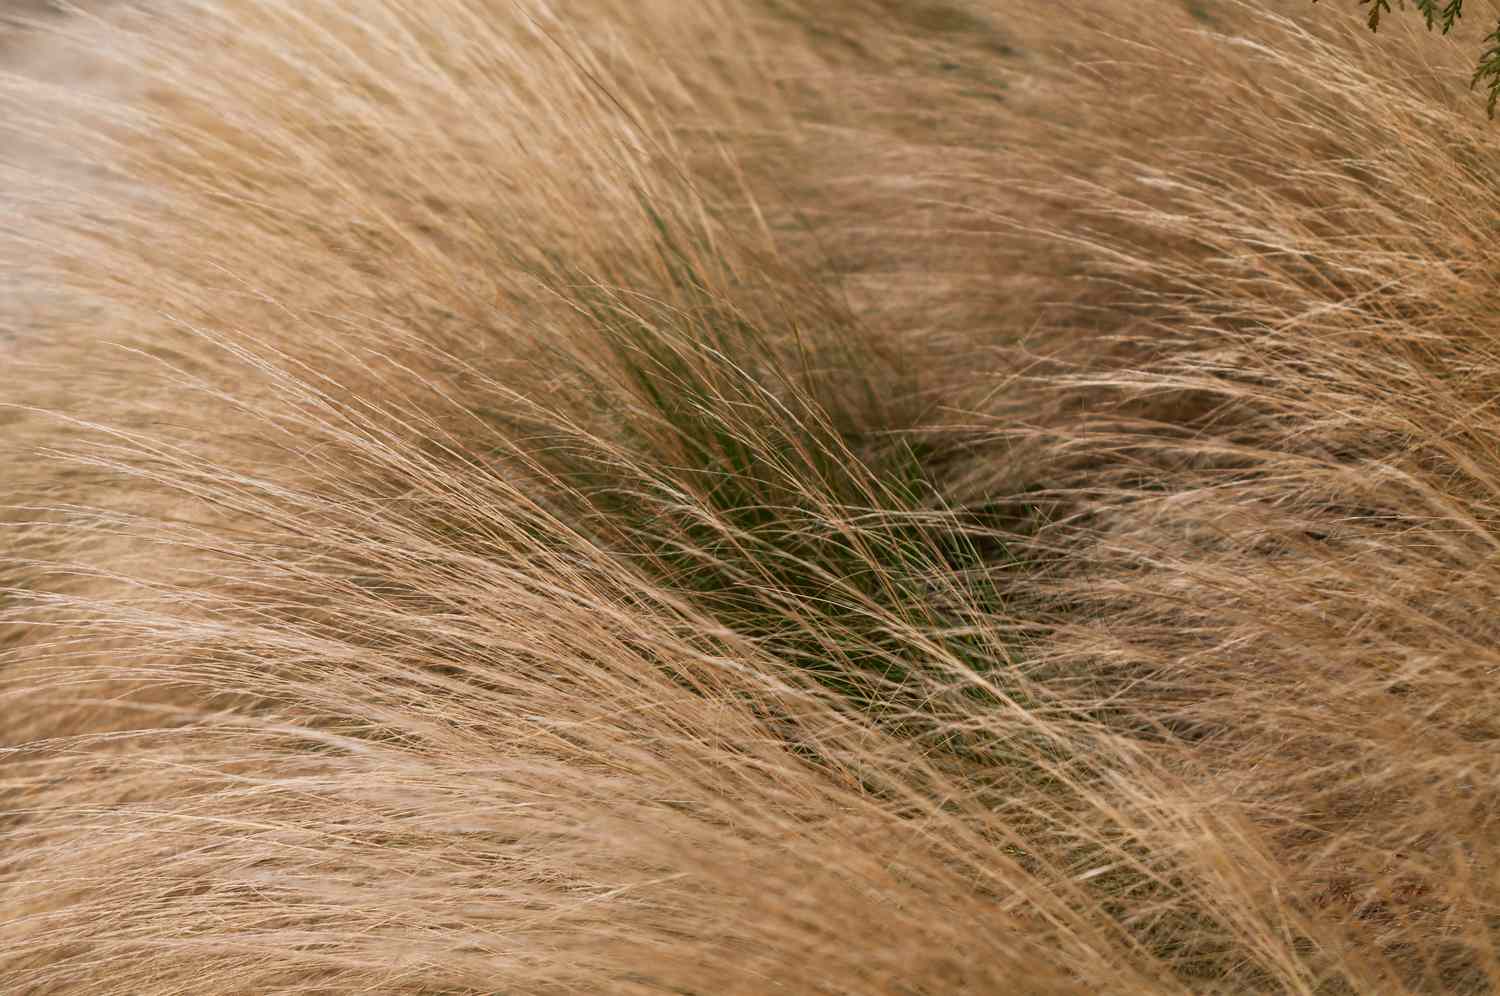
{"x":736,"y":475}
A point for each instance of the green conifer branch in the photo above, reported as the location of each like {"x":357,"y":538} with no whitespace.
{"x":1442,"y":15}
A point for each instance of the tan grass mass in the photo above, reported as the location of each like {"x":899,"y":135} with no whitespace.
{"x":784,"y":496}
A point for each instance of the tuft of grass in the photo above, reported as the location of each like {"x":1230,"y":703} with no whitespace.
{"x":644,"y":498}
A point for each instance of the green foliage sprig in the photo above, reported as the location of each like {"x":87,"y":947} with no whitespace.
{"x":1442,"y":15}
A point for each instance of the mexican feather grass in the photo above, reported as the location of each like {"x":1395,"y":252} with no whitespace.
{"x":631,"y":496}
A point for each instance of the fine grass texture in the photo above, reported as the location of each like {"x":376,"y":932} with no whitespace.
{"x":631,"y":496}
